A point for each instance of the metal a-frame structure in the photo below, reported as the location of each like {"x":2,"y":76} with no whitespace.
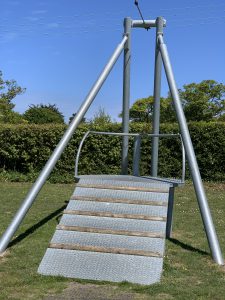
{"x":161,"y":57}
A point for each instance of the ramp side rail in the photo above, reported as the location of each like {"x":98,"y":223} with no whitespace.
{"x":137,"y":143}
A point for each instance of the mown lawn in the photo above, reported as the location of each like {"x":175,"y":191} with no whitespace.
{"x":189,"y":272}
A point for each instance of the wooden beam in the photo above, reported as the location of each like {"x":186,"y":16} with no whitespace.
{"x":112,"y":215}
{"x":110,"y":231}
{"x":103,"y":249}
{"x":124,"y":188}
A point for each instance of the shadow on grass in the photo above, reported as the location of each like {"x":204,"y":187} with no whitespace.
{"x":33,"y":228}
{"x":188,"y":247}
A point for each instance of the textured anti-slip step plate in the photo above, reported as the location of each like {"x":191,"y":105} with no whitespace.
{"x":148,"y":179}
{"x":123,"y":185}
{"x":117,"y":208}
{"x":118,"y":178}
{"x":138,"y":183}
{"x":104,"y":193}
{"x":109,"y":241}
{"x":113,"y":223}
{"x":101,"y":266}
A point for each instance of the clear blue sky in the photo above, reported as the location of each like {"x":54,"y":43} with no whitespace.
{"x":57,"y":48}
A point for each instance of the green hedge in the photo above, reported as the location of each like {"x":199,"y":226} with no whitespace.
{"x":24,"y":149}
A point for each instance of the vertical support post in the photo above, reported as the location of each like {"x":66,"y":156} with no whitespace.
{"x":193,"y":165}
{"x":126,"y":95}
{"x":156,"y":105}
{"x":170,"y":213}
{"x":137,"y":155}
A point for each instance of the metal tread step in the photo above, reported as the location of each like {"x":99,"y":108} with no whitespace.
{"x":113,"y":223}
{"x":109,"y":240}
{"x":123,"y":183}
{"x":120,"y":194}
{"x":117,"y":200}
{"x":129,"y":178}
{"x":101,"y":266}
{"x":147,"y":179}
{"x":117,"y":208}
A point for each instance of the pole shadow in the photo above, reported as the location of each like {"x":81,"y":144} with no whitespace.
{"x":36,"y":226}
{"x":188,"y":247}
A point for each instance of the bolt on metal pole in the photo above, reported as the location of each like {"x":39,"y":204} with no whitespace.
{"x":21,"y":213}
{"x":156,"y":105}
{"x":126,"y":95}
{"x":193,"y":165}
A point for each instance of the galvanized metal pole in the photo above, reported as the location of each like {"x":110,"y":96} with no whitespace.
{"x":193,"y":166}
{"x":126,"y":95}
{"x":156,"y":106}
{"x":21,"y":213}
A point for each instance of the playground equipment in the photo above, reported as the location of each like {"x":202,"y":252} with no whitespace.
{"x":114,"y":226}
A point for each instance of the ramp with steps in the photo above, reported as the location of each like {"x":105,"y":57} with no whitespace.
{"x":113,"y":229}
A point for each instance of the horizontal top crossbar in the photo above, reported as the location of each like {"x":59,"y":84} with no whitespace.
{"x":146,"y":24}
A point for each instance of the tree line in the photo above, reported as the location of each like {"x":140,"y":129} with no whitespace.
{"x":204,"y":101}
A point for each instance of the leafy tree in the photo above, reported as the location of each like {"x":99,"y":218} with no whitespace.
{"x":9,"y":89}
{"x":101,"y":117}
{"x":222,"y":118}
{"x":203,"y":101}
{"x":42,"y":114}
{"x":142,"y":110}
{"x":12,"y":117}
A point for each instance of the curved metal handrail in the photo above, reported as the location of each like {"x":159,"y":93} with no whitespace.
{"x":163,"y":135}
{"x":78,"y":152}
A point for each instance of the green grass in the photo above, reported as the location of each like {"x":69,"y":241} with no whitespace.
{"x":189,"y":272}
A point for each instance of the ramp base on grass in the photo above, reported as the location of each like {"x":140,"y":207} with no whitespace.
{"x":113,"y":229}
